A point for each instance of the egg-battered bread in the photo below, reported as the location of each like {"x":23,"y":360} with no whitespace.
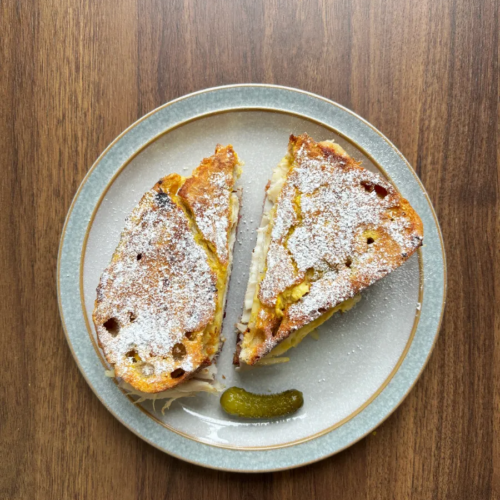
{"x":330,"y":229}
{"x":160,"y":302}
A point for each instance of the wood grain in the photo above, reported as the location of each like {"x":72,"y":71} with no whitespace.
{"x":74,"y":74}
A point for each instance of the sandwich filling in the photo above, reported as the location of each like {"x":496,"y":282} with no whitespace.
{"x":202,"y":381}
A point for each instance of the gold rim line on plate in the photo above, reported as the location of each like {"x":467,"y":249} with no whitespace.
{"x":98,"y":351}
{"x":276,"y":87}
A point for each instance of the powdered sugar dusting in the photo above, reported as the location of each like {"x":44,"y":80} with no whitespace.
{"x":285,"y":216}
{"x":211,"y":213}
{"x":208,"y":195}
{"x":334,"y":215}
{"x":349,"y":228}
{"x":278,"y":259}
{"x":158,"y":287}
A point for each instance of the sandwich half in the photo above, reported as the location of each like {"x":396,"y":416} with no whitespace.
{"x":160,"y":302}
{"x":330,"y":229}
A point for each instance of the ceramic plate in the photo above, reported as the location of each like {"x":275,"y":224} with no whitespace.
{"x":364,"y":362}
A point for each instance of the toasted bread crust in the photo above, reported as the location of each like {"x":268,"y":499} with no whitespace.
{"x":207,"y":194}
{"x":337,"y":226}
{"x":160,"y":291}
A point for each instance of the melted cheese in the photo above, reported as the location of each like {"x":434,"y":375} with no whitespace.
{"x":258,"y":262}
{"x":298,"y":336}
{"x":203,"y":381}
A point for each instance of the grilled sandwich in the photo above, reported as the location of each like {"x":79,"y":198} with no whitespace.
{"x":160,"y":302}
{"x":330,"y":229}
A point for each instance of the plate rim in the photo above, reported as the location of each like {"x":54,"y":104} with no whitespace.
{"x":88,"y":320}
{"x":269,"y":106}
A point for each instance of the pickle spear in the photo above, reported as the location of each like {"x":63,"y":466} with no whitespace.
{"x":238,"y":402}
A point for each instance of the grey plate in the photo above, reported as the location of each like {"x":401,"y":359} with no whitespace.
{"x":364,"y":363}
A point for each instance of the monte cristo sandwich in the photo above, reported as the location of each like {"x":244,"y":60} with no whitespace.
{"x":160,"y":302}
{"x":330,"y":229}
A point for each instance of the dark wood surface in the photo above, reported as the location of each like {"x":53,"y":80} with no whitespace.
{"x":74,"y":74}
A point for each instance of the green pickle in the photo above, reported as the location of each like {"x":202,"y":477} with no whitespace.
{"x":238,"y":402}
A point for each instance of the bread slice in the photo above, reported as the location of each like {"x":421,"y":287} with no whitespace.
{"x":330,"y":229}
{"x":160,"y":303}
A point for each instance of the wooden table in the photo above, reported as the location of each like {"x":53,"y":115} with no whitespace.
{"x":74,"y":74}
